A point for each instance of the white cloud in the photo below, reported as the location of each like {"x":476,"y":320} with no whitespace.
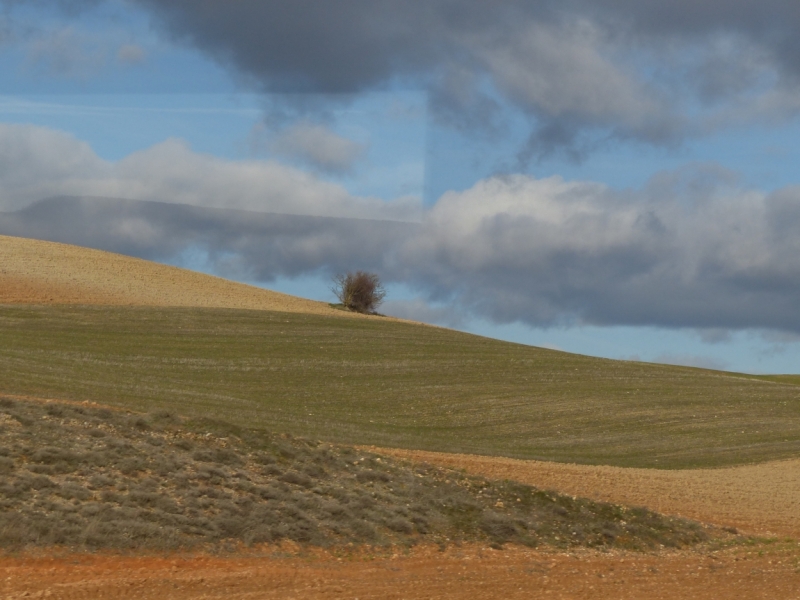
{"x":567,"y":70}
{"x":692,"y":249}
{"x":36,"y":163}
{"x":683,"y":252}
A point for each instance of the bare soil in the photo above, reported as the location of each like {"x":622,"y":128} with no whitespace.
{"x":762,"y":499}
{"x":466,"y":572}
{"x":39,"y":272}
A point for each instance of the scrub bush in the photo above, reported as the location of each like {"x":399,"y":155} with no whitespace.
{"x":360,"y":291}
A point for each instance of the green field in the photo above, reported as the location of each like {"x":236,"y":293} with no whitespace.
{"x":376,"y":381}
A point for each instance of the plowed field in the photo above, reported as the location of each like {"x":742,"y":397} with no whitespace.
{"x":468,"y":573}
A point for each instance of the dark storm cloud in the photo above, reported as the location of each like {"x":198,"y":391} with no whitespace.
{"x":625,"y":67}
{"x":320,"y":46}
{"x":345,"y":46}
{"x":765,"y":18}
{"x":613,"y":69}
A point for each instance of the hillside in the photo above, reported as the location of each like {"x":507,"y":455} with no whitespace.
{"x":88,"y":325}
{"x":761,"y":498}
{"x":389,"y":383}
{"x":39,"y":272}
{"x":98,"y":478}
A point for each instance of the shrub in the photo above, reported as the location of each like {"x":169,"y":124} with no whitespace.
{"x":400,"y":525}
{"x":499,"y":527}
{"x":360,"y":291}
{"x":296,"y":478}
{"x":370,"y":475}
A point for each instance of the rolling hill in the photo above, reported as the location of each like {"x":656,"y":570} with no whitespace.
{"x":41,"y":272}
{"x":265,"y":360}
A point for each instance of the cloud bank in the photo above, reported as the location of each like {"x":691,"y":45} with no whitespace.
{"x":244,"y":245}
{"x":689,"y":250}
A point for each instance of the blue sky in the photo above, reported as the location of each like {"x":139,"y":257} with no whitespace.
{"x":565,"y":177}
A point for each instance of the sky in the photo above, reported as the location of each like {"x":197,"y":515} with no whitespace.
{"x":614,"y":178}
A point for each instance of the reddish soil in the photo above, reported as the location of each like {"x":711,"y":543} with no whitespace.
{"x":464,"y":573}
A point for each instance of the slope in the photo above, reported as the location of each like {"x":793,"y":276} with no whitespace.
{"x":390,"y":383}
{"x":40,"y":272}
{"x":162,"y":337}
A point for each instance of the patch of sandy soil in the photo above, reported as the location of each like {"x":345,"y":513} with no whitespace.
{"x":761,"y":499}
{"x":38,"y":272}
{"x":467,"y":572}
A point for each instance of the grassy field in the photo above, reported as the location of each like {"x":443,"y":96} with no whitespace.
{"x":374,"y":381}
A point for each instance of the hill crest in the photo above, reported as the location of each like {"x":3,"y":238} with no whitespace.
{"x":41,"y":272}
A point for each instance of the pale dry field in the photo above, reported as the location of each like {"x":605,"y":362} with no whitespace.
{"x":38,"y":272}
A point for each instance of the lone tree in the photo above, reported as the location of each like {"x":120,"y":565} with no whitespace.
{"x":360,"y":291}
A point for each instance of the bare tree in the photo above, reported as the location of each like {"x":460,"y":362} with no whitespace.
{"x":360,"y":291}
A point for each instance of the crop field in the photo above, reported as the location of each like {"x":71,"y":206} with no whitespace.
{"x":395,"y":384}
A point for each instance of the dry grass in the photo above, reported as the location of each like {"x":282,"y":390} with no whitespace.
{"x":90,"y":477}
{"x":39,"y":272}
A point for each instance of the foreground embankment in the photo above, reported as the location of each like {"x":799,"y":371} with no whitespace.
{"x":762,"y":499}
